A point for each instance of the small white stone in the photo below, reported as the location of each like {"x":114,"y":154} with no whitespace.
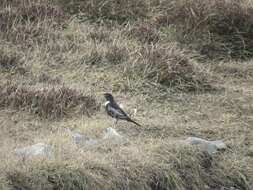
{"x":135,"y":112}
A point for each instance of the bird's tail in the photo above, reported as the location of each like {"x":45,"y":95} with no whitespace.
{"x":130,"y":120}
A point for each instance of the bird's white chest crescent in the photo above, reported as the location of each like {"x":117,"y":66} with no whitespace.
{"x":106,"y":103}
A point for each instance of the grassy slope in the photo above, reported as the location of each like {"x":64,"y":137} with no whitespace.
{"x":209,"y":99}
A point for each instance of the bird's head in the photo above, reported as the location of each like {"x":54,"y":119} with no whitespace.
{"x":108,"y":97}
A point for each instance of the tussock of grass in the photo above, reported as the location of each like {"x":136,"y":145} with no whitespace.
{"x":99,"y":35}
{"x":43,"y":77}
{"x":216,"y":28}
{"x":93,"y":58}
{"x":171,"y":67}
{"x":119,"y":10}
{"x":9,"y":60}
{"x":145,"y":32}
{"x":24,"y":21}
{"x":47,"y":103}
{"x":235,"y":70}
{"x":115,"y":55}
{"x":106,"y":54}
{"x":29,"y":11}
{"x":26,"y":34}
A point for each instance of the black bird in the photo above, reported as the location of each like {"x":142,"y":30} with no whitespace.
{"x":113,"y":110}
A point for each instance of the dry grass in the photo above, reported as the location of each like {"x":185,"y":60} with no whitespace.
{"x":47,"y":103}
{"x":14,"y":12}
{"x":144,"y":53}
{"x":9,"y":60}
{"x":120,"y":11}
{"x":215,"y":28}
{"x":115,"y":55}
{"x":160,"y":165}
{"x":235,"y":69}
{"x":171,"y":66}
{"x":145,"y":32}
{"x":27,"y":22}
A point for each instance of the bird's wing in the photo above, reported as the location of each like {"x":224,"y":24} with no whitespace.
{"x":117,"y":112}
{"x":116,"y":106}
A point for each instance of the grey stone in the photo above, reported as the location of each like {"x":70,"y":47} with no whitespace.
{"x":111,"y":133}
{"x":39,"y":149}
{"x":110,"y":136}
{"x":209,"y":146}
{"x":113,"y":136}
{"x":83,"y":140}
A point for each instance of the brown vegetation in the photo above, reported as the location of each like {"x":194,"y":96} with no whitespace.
{"x":74,"y":51}
{"x":120,"y":10}
{"x":9,"y":60}
{"x":23,"y":22}
{"x":168,"y":166}
{"x":172,"y":67}
{"x":215,"y":28}
{"x":47,"y":103}
{"x":145,"y":32}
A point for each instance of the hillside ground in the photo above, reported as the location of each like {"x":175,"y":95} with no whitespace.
{"x":175,"y":62}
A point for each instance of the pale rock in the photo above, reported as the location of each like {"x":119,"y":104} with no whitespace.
{"x":83,"y":140}
{"x":113,"y":136}
{"x":209,"y":146}
{"x":110,"y":136}
{"x":39,"y":149}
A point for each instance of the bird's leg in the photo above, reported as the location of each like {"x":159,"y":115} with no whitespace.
{"x":116,"y":121}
